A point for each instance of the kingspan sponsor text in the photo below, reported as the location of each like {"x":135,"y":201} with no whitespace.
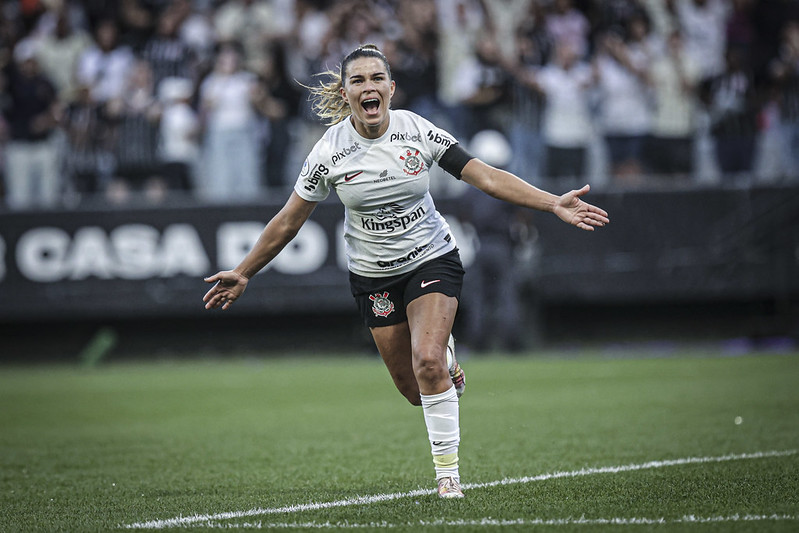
{"x":389,"y":226}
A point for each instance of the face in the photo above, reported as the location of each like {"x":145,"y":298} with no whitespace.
{"x":227,"y":61}
{"x":566,"y":55}
{"x":368,"y":91}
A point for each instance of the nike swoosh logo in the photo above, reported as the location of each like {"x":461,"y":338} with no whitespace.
{"x":426,"y":283}
{"x":348,"y":177}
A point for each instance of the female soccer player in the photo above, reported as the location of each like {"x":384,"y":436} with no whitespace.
{"x":405,"y":272}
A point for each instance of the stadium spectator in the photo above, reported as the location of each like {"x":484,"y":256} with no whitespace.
{"x":625,"y":112}
{"x":352,"y":22}
{"x":89,"y":161}
{"x":674,"y":77}
{"x":231,"y":148}
{"x":784,"y":71}
{"x":59,"y":53}
{"x":704,"y":27}
{"x":167,"y":54}
{"x":505,"y":18}
{"x":461,"y":23}
{"x":533,"y":49}
{"x":304,"y":45}
{"x":568,"y":25}
{"x":484,"y":83}
{"x":732,"y":106}
{"x":138,"y":19}
{"x":278,"y":103}
{"x":414,"y":60}
{"x":32,"y":111}
{"x":405,"y":271}
{"x":135,"y":117}
{"x":105,"y":67}
{"x":258,"y":25}
{"x":568,"y":125}
{"x":197,"y":32}
{"x":179,"y":134}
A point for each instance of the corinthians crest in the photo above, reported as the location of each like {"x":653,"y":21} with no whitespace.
{"x":382,"y":305}
{"x":413,"y":163}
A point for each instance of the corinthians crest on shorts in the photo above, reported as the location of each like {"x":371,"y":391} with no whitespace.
{"x":382,"y":305}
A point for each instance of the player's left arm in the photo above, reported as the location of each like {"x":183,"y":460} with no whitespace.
{"x":510,"y":188}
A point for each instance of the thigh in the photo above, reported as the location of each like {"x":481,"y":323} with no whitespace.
{"x":394,"y":344}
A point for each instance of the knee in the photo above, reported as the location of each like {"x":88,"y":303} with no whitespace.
{"x":430,"y":367}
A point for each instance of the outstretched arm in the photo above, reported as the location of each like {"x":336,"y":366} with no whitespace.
{"x":510,"y":188}
{"x":230,"y":284}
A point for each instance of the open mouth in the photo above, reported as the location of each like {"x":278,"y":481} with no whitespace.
{"x":371,"y":106}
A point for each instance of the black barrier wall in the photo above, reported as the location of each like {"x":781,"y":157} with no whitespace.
{"x":676,"y":246}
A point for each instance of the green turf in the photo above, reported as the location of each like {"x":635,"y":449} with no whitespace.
{"x":92,"y":449}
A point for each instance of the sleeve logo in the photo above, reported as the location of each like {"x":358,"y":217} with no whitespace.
{"x":319,"y":171}
{"x":438,"y":138}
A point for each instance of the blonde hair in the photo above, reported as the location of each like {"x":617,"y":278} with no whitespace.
{"x":325,"y":97}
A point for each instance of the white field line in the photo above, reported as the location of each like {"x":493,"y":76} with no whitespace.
{"x":375,"y":498}
{"x":492,"y":522}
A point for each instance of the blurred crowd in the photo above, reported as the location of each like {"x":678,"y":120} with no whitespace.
{"x":145,"y":100}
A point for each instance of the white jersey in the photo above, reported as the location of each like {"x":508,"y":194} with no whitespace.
{"x":390,"y":222}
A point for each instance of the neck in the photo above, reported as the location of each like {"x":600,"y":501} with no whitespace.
{"x":370,"y":132}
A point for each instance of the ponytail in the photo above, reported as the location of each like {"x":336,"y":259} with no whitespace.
{"x":326,"y":100}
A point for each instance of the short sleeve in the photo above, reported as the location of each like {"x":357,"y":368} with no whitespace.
{"x":313,"y":182}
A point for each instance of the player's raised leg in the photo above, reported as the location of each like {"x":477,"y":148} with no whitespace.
{"x":430,"y":319}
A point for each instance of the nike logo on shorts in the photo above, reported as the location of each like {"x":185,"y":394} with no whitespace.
{"x":426,"y":283}
{"x":348,"y":177}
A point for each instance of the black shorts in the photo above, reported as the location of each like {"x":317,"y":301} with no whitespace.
{"x":382,"y":301}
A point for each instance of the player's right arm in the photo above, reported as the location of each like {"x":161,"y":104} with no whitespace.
{"x":230,"y":284}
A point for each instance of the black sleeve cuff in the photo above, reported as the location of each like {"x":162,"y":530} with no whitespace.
{"x":454,"y":159}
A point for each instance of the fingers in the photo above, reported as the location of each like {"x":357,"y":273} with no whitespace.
{"x":211,"y":300}
{"x":218,"y":300}
{"x":598,"y":215}
{"x":598,"y":211}
{"x":211,"y":292}
{"x":591,"y":218}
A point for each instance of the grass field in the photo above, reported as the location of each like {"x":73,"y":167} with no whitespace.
{"x":584,"y":443}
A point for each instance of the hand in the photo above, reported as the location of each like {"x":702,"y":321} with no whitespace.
{"x":572,"y":210}
{"x":229,"y":286}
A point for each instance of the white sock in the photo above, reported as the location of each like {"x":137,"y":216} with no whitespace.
{"x":441,"y":416}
